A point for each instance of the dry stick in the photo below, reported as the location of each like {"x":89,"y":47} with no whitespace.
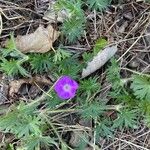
{"x":120,"y":41}
{"x":145,"y":68}
{"x":137,"y":138}
{"x":134,"y":27}
{"x":10,"y":18}
{"x":9,"y":3}
{"x":112,"y":26}
{"x":1,"y":23}
{"x":94,"y":141}
{"x":134,"y":42}
{"x":130,"y":47}
{"x":73,"y":127}
{"x":55,"y":131}
{"x":135,"y":72}
{"x":42,"y":98}
{"x":95,"y":27}
{"x":135,"y":145}
{"x":124,"y":40}
{"x":86,"y":40}
{"x":21,"y":8}
{"x":108,"y":146}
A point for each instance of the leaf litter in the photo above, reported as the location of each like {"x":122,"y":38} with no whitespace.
{"x":53,"y":16}
{"x":15,"y":86}
{"x":41,"y":41}
{"x":100,"y":59}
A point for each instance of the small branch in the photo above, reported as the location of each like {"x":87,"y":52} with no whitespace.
{"x":136,"y":72}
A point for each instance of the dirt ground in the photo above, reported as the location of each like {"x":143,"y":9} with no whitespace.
{"x":127,"y":25}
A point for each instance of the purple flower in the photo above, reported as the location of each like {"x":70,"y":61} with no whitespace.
{"x":66,"y":87}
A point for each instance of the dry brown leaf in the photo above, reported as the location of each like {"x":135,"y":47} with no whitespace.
{"x":52,"y":16}
{"x":40,"y":41}
{"x":75,"y":138}
{"x":123,"y":27}
{"x":15,"y":85}
{"x":99,"y":60}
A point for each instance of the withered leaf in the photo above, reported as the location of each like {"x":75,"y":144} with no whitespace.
{"x":15,"y":85}
{"x":52,"y":15}
{"x":40,"y":41}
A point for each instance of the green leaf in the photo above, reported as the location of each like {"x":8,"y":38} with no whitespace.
{"x":99,"y":45}
{"x":104,"y":129}
{"x":82,"y":142}
{"x":33,"y":142}
{"x":73,"y":26}
{"x":64,"y":146}
{"x":98,"y":4}
{"x":52,"y":103}
{"x":141,"y":87}
{"x":89,"y":86}
{"x":87,"y":57}
{"x":69,"y":66}
{"x":10,"y":48}
{"x":61,"y":54}
{"x":147,"y":119}
{"x":11,"y":43}
{"x":113,"y":76}
{"x":12,"y":68}
{"x":40,"y":62}
{"x":126,"y":118}
{"x":144,"y":106}
{"x":147,"y":1}
{"x":72,"y":6}
{"x":92,"y":110}
{"x":29,"y":125}
{"x":73,"y":29}
{"x":19,"y":121}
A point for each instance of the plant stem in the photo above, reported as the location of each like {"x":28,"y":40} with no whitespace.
{"x":109,"y":107}
{"x":54,"y":129}
{"x":136,"y":72}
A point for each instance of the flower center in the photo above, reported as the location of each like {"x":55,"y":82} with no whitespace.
{"x":67,"y":87}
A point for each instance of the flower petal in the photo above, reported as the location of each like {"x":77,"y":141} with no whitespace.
{"x":58,"y":87}
{"x":60,"y":90}
{"x":75,"y":84}
{"x":64,"y":95}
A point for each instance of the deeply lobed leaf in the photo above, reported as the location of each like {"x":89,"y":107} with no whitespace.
{"x":141,"y":87}
{"x":99,"y":4}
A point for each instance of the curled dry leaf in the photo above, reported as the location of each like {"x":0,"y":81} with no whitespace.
{"x":52,"y":15}
{"x":40,"y":41}
{"x":85,"y":123}
{"x":76,"y":138}
{"x":123,"y":27}
{"x":15,"y":85}
{"x":99,"y":60}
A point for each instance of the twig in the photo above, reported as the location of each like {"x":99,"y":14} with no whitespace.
{"x":135,"y":145}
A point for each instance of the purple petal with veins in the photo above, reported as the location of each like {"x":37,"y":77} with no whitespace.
{"x":66,"y":87}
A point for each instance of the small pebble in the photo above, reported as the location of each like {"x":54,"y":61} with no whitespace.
{"x":134,"y":64}
{"x":128,"y":16}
